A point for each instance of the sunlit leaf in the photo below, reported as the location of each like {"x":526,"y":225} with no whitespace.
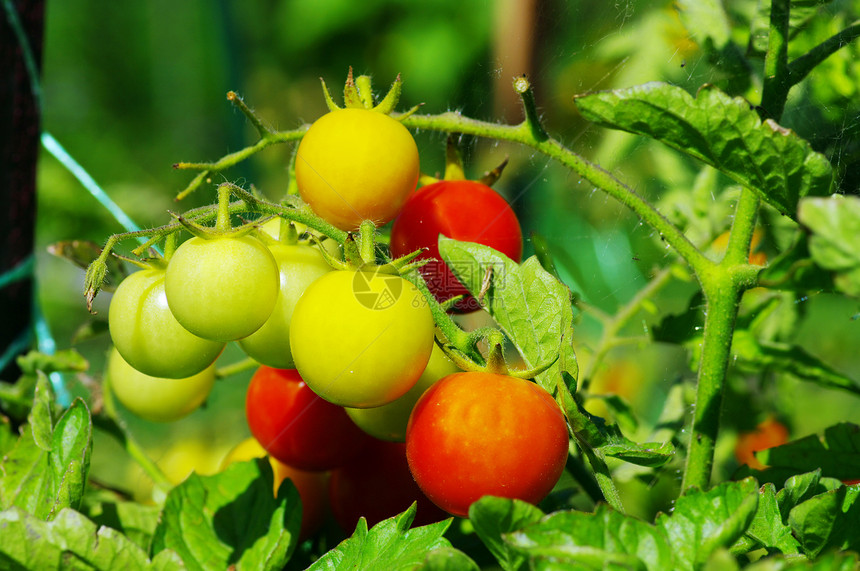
{"x":721,"y":131}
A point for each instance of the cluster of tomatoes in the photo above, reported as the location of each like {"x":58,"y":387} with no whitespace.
{"x":351,"y":382}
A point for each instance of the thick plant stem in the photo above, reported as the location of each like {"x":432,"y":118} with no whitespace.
{"x":722,"y":295}
{"x":776,"y":80}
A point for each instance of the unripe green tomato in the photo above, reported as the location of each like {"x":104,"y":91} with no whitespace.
{"x":298,"y":266}
{"x":222,"y":288}
{"x":356,"y":164}
{"x":361,"y":338}
{"x":147,"y":335}
{"x":388,"y":422}
{"x":157,"y":399}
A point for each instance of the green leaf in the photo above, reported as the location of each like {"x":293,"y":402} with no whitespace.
{"x":706,"y":20}
{"x":602,"y":540}
{"x":65,"y":361}
{"x":42,"y":483}
{"x":390,"y":544}
{"x":530,"y":305}
{"x":800,"y":488}
{"x":703,"y":522}
{"x":834,"y":243}
{"x":71,"y":542}
{"x":231,"y":518}
{"x":828,"y":521}
{"x":448,"y":559}
{"x":607,"y":438}
{"x":768,"y":528}
{"x":837,"y":454}
{"x":136,"y":521}
{"x":493,"y":517}
{"x":721,"y":131}
{"x":40,"y":417}
{"x":757,"y":355}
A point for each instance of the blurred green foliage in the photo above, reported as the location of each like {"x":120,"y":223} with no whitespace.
{"x":131,"y":88}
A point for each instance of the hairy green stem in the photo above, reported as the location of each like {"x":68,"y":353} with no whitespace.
{"x":603,"y":477}
{"x":776,"y":81}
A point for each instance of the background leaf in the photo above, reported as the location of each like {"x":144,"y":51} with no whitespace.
{"x":834,"y":244}
{"x":42,"y":483}
{"x":71,"y":542}
{"x":721,"y":131}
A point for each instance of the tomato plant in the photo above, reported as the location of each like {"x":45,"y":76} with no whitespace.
{"x":461,"y":209}
{"x":222,"y":288}
{"x":355,"y":165}
{"x":312,"y":486}
{"x":466,"y":419}
{"x":295,"y":425}
{"x":377,"y":485}
{"x":388,"y":422}
{"x":147,"y":335}
{"x":155,"y":398}
{"x":384,"y":332}
{"x":298,"y":266}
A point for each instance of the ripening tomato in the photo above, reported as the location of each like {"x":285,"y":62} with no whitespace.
{"x":298,"y":266}
{"x":768,"y":434}
{"x":154,"y":398}
{"x":222,"y":288}
{"x":388,"y":422}
{"x":475,"y":434}
{"x":296,"y":426}
{"x":459,"y":209}
{"x":312,"y":486}
{"x":147,"y":335}
{"x":361,"y":338}
{"x":377,"y":485}
{"x":356,"y":164}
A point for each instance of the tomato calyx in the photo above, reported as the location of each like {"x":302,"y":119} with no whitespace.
{"x":358,"y":94}
{"x":495,"y":363}
{"x":454,"y":169}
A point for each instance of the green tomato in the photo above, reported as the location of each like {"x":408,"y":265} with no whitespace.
{"x":222,"y":288}
{"x":147,"y":335}
{"x":388,"y":422}
{"x":157,"y":399}
{"x":299,"y":266}
{"x":361,"y":338}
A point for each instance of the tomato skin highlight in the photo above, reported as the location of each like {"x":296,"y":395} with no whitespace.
{"x":476,"y":434}
{"x":377,"y":485}
{"x":157,"y":399}
{"x":147,"y":335}
{"x":297,"y":427}
{"x":298,"y":267}
{"x":361,"y":339}
{"x":222,"y":288}
{"x":356,"y":164}
{"x":460,"y":209}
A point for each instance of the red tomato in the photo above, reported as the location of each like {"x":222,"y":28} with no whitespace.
{"x":296,"y":426}
{"x":768,"y":434}
{"x":475,"y":434}
{"x":377,"y":485}
{"x":460,"y":209}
